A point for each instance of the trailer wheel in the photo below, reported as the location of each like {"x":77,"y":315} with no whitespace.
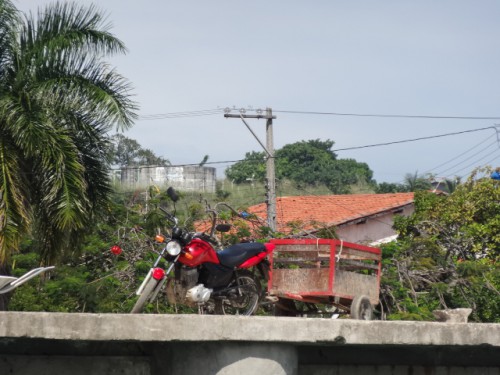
{"x":285,"y":307}
{"x":361,"y":308}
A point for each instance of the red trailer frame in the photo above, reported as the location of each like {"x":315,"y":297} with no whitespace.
{"x":326,"y":271}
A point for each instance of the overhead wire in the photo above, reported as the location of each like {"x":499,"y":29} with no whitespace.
{"x":458,"y":156}
{"x":414,"y":139}
{"x":197,"y":113}
{"x":216,"y":111}
{"x":474,"y":164}
{"x":477,"y":163}
{"x":423,"y":117}
{"x":336,"y":150}
{"x":219,"y":110}
{"x":213,"y":111}
{"x":494,"y":143}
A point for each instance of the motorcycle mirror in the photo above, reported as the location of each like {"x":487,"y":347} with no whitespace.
{"x":172,"y":194}
{"x":223,"y":227}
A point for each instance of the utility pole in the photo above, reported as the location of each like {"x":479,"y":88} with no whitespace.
{"x":270,"y":172}
{"x":269,"y":149}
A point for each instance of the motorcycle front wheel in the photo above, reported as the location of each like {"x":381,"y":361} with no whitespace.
{"x":143,"y":298}
{"x":242,"y":297}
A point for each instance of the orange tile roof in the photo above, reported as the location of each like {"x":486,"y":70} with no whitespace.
{"x":330,"y":210}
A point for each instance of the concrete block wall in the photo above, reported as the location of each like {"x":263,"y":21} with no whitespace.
{"x":144,"y":344}
{"x":186,"y":178}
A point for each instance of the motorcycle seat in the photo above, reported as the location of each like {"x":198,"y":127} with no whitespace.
{"x":235,"y":255}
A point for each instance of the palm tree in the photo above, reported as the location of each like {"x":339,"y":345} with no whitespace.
{"x":58,"y":100}
{"x":415,"y":182}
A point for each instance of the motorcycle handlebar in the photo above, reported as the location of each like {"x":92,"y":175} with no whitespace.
{"x":170,"y":216}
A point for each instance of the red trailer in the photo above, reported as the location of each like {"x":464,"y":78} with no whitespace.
{"x":324,"y":276}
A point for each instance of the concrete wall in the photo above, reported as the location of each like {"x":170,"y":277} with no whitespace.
{"x":47,"y":343}
{"x":187,"y":178}
{"x":374,"y":229}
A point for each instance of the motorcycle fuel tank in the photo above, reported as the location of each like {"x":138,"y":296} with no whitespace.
{"x":197,"y":252}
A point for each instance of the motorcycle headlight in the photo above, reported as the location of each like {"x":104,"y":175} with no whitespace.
{"x":173,"y":248}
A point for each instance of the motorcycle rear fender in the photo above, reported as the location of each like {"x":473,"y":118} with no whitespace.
{"x":253,"y":261}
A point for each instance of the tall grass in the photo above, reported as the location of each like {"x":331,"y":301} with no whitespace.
{"x":239,"y":196}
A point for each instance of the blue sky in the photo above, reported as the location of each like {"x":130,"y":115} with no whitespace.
{"x":425,"y":57}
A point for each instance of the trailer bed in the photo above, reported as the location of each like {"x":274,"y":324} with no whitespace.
{"x":324,"y":271}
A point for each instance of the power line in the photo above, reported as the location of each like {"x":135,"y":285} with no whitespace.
{"x":459,"y":156}
{"x":494,"y":152}
{"x":469,"y":158}
{"x":415,"y":139}
{"x":216,"y":111}
{"x":474,"y":163}
{"x":442,"y":172}
{"x":342,"y":149}
{"x":424,"y":117}
{"x":161,"y":116}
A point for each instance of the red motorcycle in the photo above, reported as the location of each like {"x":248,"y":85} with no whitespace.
{"x":223,"y":281}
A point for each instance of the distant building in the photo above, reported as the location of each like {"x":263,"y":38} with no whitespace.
{"x":359,"y":218}
{"x":187,"y":178}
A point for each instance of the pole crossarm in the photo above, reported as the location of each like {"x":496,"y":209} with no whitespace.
{"x":229,"y":115}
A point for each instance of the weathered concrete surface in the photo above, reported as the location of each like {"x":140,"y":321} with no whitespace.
{"x":229,"y":358}
{"x":146,"y":327}
{"x":54,"y":343}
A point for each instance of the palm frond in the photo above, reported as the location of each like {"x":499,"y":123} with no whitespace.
{"x":91,"y":88}
{"x":15,"y":214}
{"x":68,"y":26}
{"x":58,"y":98}
{"x":63,"y":183}
{"x":9,"y":20}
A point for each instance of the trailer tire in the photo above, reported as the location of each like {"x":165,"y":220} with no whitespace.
{"x":285,"y":307}
{"x":361,"y":308}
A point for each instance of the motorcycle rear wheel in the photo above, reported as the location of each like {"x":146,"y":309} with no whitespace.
{"x":143,"y":298}
{"x":242,"y":300}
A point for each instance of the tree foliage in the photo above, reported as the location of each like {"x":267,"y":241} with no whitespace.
{"x":390,"y":187}
{"x":412,"y":182}
{"x":439,"y":260}
{"x":415,"y":182}
{"x":58,"y":99}
{"x":92,"y":279}
{"x":305,"y":163}
{"x":252,"y":167}
{"x":128,"y":152}
{"x":447,"y":254}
